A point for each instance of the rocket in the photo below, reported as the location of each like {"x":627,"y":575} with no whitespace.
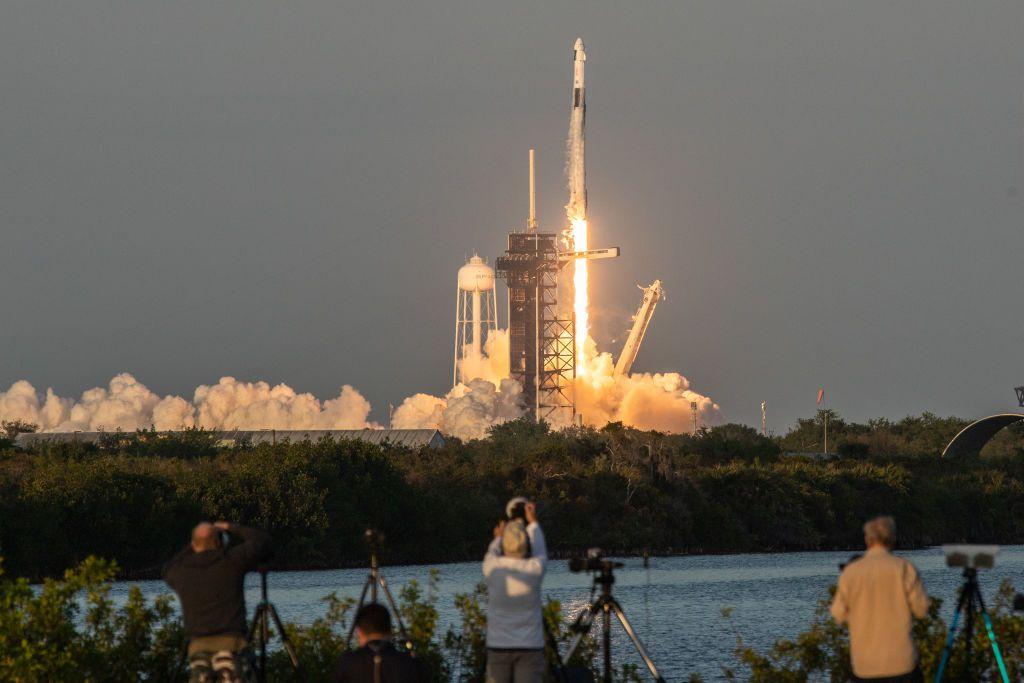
{"x":577,"y":207}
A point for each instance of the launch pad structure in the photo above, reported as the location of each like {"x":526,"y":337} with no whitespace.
{"x":542,"y":345}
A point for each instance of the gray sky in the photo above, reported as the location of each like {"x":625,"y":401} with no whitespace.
{"x":831,"y":192}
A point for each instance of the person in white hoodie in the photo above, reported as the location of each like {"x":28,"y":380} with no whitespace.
{"x":514,"y":568}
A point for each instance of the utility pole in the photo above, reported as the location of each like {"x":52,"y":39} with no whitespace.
{"x":764,"y":419}
{"x":693,"y":413}
{"x":391,"y":415}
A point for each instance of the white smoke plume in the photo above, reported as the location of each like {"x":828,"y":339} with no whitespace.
{"x":659,"y":401}
{"x":647,"y":401}
{"x":468,"y":411}
{"x":127,"y":404}
{"x":470,"y":408}
{"x":492,"y":364}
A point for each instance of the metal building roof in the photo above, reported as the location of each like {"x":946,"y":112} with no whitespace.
{"x":410,"y":438}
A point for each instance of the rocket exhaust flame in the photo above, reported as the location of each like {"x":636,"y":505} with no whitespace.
{"x":581,"y":302}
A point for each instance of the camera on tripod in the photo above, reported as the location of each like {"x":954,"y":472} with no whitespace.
{"x":373,"y":538}
{"x":593,"y":562}
{"x":970,"y":604}
{"x":605,"y":607}
{"x":971,"y":556}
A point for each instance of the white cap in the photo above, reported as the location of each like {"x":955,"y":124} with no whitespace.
{"x":512,"y":504}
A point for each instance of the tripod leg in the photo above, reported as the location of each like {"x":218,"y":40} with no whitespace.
{"x":394,"y":608}
{"x":362,"y":601}
{"x":582,"y":627}
{"x":288,"y":647}
{"x":264,"y":637}
{"x":946,"y":651}
{"x":992,"y":639}
{"x":255,"y":622}
{"x":636,"y":641}
{"x":606,"y":637}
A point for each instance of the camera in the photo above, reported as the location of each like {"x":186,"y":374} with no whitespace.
{"x":593,"y":562}
{"x":516,"y":509}
{"x":373,"y":538}
{"x":971,"y":556}
{"x":1018,"y":602}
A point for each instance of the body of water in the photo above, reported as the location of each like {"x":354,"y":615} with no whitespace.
{"x":675,"y":604}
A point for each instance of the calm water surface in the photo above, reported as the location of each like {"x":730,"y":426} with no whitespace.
{"x":675,"y":604}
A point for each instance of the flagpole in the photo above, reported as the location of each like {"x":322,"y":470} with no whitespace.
{"x":825,"y":413}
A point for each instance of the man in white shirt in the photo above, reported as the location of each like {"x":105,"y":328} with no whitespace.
{"x":877,"y":597}
{"x":513,"y":570}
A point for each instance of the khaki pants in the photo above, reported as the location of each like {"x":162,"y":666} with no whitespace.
{"x":229,"y":642}
{"x":515,"y":666}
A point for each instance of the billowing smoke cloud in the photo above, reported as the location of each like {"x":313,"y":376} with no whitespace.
{"x":648,"y":401}
{"x":257,"y":405}
{"x":467,"y":411}
{"x":471,"y":408}
{"x":492,"y":364}
{"x":658,"y":401}
{"x":127,"y":404}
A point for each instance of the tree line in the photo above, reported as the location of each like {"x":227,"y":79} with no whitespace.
{"x":134,"y":497}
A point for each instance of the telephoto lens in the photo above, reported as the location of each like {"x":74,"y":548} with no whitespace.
{"x":1018,"y":602}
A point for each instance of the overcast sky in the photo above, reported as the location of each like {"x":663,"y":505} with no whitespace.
{"x":831,"y":192}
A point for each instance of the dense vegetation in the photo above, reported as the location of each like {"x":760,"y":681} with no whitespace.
{"x":134,"y":497}
{"x":70,"y":630}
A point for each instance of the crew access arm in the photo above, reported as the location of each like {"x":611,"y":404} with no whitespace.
{"x":641,"y":320}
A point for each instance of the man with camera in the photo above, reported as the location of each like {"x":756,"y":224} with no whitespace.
{"x":513,"y":569}
{"x":377,"y":660}
{"x":878,"y":595}
{"x":209,"y":579}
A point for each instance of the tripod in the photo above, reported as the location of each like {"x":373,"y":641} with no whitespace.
{"x":260,"y":618}
{"x":607,"y":605}
{"x":374,"y":582}
{"x":970,"y":603}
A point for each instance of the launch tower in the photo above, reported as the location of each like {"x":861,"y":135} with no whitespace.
{"x":542,"y":335}
{"x":542,"y":347}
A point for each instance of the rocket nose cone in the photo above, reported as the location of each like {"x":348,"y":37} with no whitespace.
{"x":578,"y":45}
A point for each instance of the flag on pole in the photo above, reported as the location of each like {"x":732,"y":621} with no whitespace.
{"x":821,"y":395}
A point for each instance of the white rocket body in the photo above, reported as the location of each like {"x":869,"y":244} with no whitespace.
{"x":577,"y":207}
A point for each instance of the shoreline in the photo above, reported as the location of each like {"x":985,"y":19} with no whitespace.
{"x":558,"y":557}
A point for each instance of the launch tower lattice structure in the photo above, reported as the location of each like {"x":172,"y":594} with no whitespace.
{"x":542,"y":346}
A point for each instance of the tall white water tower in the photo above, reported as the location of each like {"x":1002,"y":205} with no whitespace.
{"x":476,"y":312}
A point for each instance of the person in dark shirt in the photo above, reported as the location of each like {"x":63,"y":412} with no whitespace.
{"x":377,"y":660}
{"x":209,"y":579}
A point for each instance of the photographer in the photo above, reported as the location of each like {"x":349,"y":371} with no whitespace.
{"x":208,"y":579}
{"x":877,"y":597}
{"x":513,"y":570}
{"x":377,"y":660}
